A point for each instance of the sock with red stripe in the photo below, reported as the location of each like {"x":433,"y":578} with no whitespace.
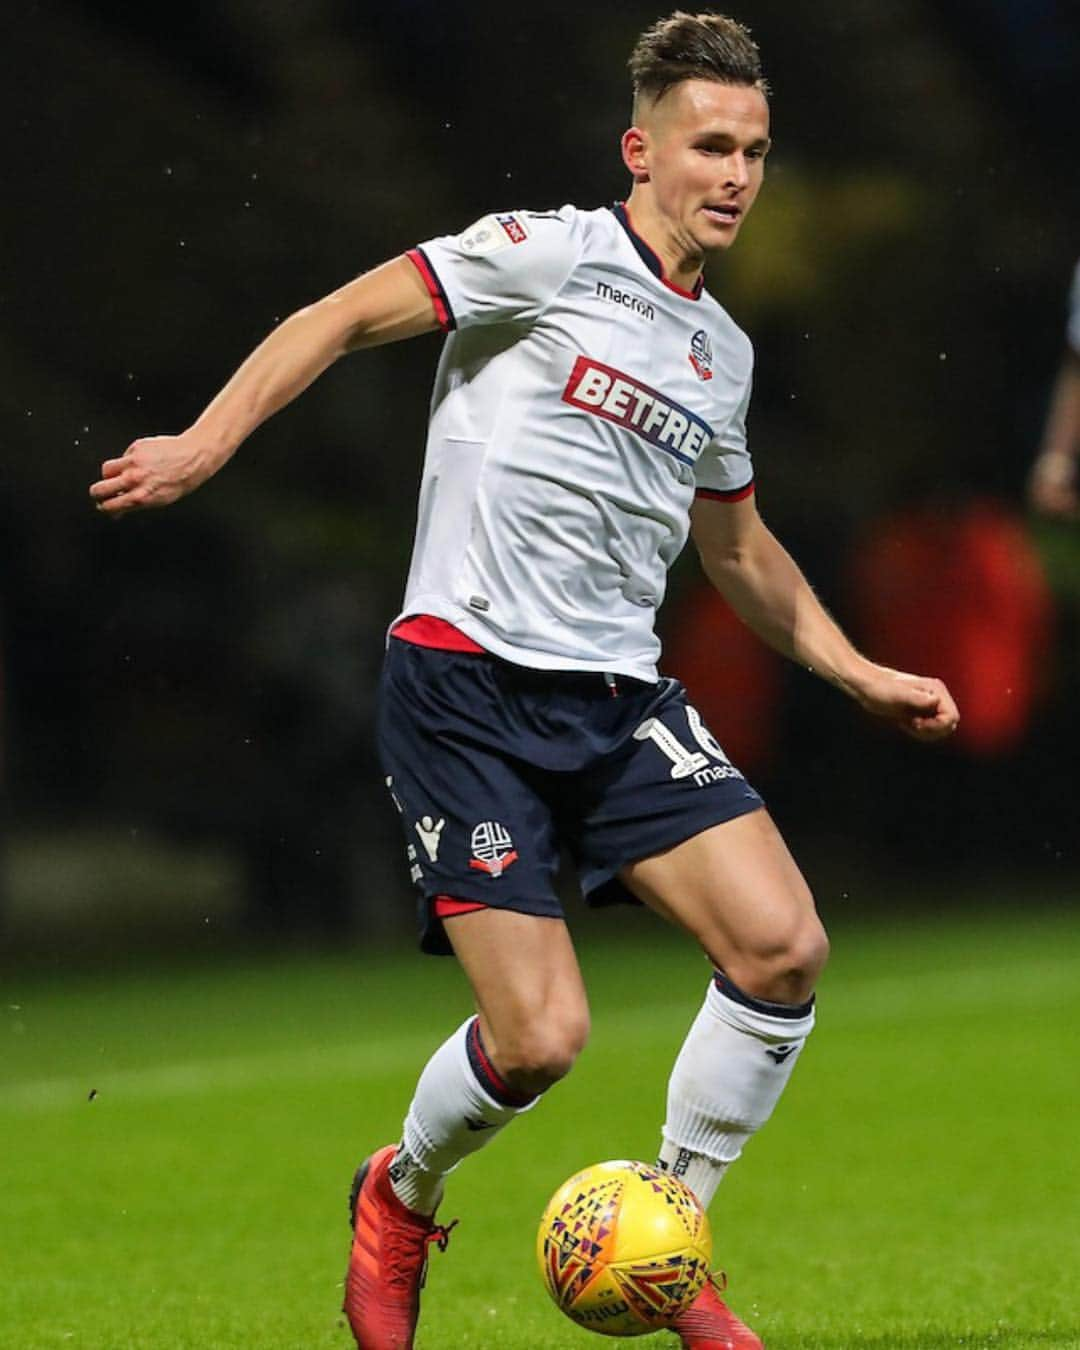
{"x":460,"y":1105}
{"x":733,"y":1066}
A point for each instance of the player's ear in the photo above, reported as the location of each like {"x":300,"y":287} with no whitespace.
{"x":635,"y":153}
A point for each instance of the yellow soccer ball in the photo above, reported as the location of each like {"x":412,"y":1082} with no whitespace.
{"x":623,"y":1248}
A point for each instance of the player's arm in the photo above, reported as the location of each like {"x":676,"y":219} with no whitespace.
{"x":761,"y":582}
{"x":1054,"y":485}
{"x":384,"y":305}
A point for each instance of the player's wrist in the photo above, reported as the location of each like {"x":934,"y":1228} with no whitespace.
{"x":853,"y":674}
{"x":213,"y":443}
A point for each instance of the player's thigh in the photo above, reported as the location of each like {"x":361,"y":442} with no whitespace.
{"x":530,"y":995}
{"x":736,"y":888}
{"x":476,"y":829}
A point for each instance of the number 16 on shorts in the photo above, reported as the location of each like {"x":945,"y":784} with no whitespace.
{"x":687,"y":762}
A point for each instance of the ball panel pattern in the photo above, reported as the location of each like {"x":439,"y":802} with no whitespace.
{"x":623,"y":1248}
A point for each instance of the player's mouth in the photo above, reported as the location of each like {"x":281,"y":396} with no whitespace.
{"x":723,"y":213}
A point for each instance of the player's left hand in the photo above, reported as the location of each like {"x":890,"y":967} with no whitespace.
{"x":919,"y":705}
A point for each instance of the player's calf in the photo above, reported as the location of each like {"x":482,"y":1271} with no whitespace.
{"x":729,"y":1075}
{"x":461,"y":1103}
{"x":535,"y":1055}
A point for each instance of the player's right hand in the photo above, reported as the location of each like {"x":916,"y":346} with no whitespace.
{"x":154,"y":471}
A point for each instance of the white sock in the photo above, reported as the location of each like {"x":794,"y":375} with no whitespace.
{"x":460,"y":1105}
{"x":733,"y":1066}
{"x":703,"y":1175}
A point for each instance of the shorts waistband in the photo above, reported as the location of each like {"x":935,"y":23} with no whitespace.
{"x":597,"y":683}
{"x":583,"y":682}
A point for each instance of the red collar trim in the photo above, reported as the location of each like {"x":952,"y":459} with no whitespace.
{"x":650,"y":258}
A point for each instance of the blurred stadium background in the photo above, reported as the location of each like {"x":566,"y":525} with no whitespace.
{"x":187,"y":698}
{"x":188,"y":780}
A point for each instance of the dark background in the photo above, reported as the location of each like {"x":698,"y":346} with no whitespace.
{"x":187,"y":696}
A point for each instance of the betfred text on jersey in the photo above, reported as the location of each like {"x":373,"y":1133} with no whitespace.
{"x":627,"y":299}
{"x":619,"y":398}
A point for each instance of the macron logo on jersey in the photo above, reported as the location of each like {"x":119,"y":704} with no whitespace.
{"x":618,"y":398}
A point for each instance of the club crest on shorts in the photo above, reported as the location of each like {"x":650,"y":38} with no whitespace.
{"x":492,"y":848}
{"x":701,"y":354}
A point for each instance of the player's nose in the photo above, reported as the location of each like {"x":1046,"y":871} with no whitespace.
{"x":736,"y":170}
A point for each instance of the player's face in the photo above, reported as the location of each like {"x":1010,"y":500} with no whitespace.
{"x":703,"y":149}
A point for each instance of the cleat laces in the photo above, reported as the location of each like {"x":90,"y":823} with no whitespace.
{"x":404,"y":1243}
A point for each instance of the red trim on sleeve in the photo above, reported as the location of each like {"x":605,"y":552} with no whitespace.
{"x":434,"y":287}
{"x":446,"y":907}
{"x":424,"y":630}
{"x":730,"y":495}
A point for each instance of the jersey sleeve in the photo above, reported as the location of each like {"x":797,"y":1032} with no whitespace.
{"x":504,"y":268}
{"x":724,"y":471}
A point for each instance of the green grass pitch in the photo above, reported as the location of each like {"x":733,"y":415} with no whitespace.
{"x":917,"y":1189}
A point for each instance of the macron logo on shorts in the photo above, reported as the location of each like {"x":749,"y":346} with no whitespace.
{"x":619,"y":398}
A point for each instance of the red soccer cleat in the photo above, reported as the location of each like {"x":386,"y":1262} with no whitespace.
{"x":709,"y":1324}
{"x":388,"y":1259}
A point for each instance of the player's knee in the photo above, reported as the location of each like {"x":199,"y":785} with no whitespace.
{"x":541,"y":1054}
{"x":785,"y":967}
{"x":811,"y":953}
{"x":807,"y":950}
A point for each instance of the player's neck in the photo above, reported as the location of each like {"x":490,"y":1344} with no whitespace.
{"x":682,"y":265}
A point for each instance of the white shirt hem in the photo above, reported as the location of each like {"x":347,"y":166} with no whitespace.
{"x":473,"y":627}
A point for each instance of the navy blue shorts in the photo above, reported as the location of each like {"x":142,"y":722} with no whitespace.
{"x":495,"y":767}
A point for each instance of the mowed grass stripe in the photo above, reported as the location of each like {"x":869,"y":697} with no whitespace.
{"x":914,"y":1192}
{"x":861,"y":1003}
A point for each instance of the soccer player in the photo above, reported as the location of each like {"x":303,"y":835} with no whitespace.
{"x":589,"y":412}
{"x":1054,"y":487}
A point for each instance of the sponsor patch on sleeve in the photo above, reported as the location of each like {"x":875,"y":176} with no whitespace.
{"x":494,"y":232}
{"x":513,"y":227}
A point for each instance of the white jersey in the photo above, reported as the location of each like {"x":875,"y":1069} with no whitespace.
{"x":580,"y":401}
